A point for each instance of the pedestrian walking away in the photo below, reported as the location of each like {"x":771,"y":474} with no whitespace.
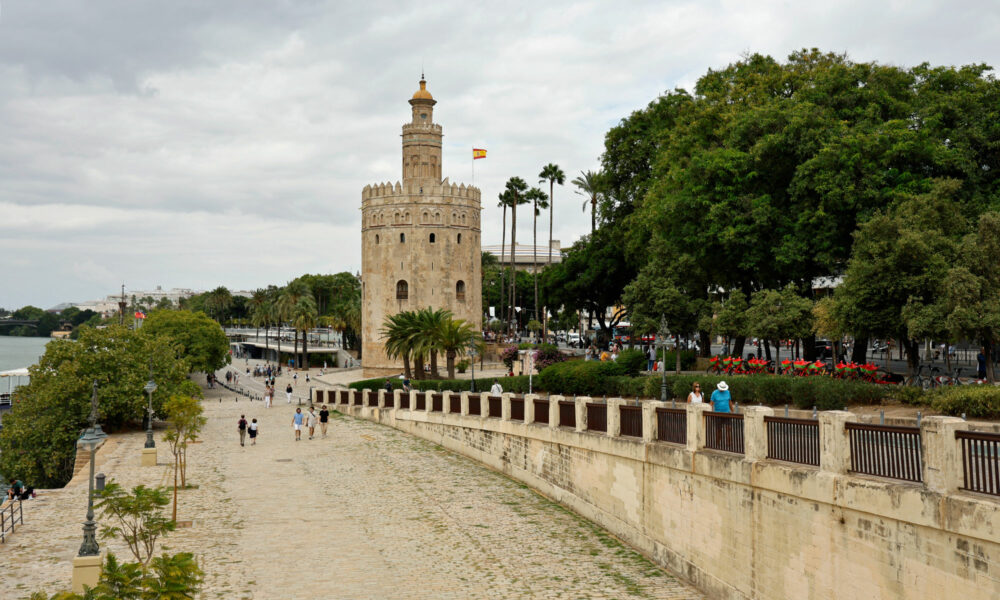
{"x":288,"y":393}
{"x":253,"y":432}
{"x":324,"y":417}
{"x":497,"y":389}
{"x":295,"y":378}
{"x":297,"y":423}
{"x":242,"y":425}
{"x":311,"y":422}
{"x":721,"y":398}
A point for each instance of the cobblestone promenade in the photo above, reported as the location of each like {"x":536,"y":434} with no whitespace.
{"x":368,"y":512}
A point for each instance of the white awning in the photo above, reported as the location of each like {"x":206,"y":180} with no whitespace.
{"x":15,"y":373}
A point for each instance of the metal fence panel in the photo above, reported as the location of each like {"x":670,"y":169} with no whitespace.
{"x":671,"y":425}
{"x":886,"y":451}
{"x":980,"y":461}
{"x":724,"y":431}
{"x":793,"y":440}
{"x":631,"y":420}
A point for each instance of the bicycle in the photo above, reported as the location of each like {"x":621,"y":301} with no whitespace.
{"x":919,"y":380}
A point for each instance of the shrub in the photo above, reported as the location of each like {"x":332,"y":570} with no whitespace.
{"x":974,"y":401}
{"x":463,"y":365}
{"x":517,"y":384}
{"x":632,"y":361}
{"x":525,"y":346}
{"x":546,"y":355}
{"x":688,"y":359}
{"x":578,"y":377}
{"x":508,"y":355}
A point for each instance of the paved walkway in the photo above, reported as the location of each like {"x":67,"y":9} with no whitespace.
{"x":369,"y":512}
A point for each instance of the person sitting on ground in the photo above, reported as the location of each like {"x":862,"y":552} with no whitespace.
{"x":497,"y":389}
{"x":15,"y":489}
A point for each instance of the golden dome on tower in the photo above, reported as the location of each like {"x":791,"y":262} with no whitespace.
{"x":422,"y":93}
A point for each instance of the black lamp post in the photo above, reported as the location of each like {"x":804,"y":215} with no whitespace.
{"x":92,"y":439}
{"x":661,"y":340}
{"x":149,"y":388}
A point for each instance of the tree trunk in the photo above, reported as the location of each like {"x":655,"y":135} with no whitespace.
{"x":267,"y":341}
{"x":548,"y":251}
{"x":767,"y":349}
{"x":912,"y":348}
{"x":988,"y":352}
{"x":295,"y":349}
{"x":534,"y":250}
{"x":777,"y":355}
{"x":738,"y":345}
{"x":809,"y":348}
{"x":305,"y":348}
{"x":513,"y":271}
{"x":183,"y":465}
{"x":406,"y":366}
{"x":176,"y":467}
{"x":450,"y":359}
{"x":677,"y":354}
{"x":503,"y":241}
{"x":705,"y":340}
{"x":859,"y":352}
{"x":418,"y":364}
{"x":434,"y":365}
{"x":593,"y":214}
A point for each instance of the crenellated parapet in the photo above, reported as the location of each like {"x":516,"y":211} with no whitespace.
{"x":415,"y":190}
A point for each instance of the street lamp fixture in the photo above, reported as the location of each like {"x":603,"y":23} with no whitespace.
{"x":149,"y":388}
{"x":92,"y":439}
{"x":472,"y":362}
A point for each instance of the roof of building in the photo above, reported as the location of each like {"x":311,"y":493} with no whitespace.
{"x":422,"y":93}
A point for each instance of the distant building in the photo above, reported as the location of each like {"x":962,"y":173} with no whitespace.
{"x":525,"y":255}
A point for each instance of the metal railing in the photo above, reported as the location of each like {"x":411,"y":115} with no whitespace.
{"x":631,"y":420}
{"x":475,"y":405}
{"x":597,"y":417}
{"x":404,"y":401}
{"x":421,"y":400}
{"x":437,"y":402}
{"x":886,"y":451}
{"x":793,"y":440}
{"x":724,"y":431}
{"x":980,"y":461}
{"x":671,"y":425}
{"x":494,"y":406}
{"x":343,"y":397}
{"x":541,"y":410}
{"x":10,"y":517}
{"x":455,"y":404}
{"x":567,"y":414}
{"x":359,"y":397}
{"x":516,"y":408}
{"x":373,"y":399}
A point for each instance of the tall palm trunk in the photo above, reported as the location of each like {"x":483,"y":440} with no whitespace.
{"x":418,"y":363}
{"x":406,"y":366}
{"x":450,"y":360}
{"x":267,"y":340}
{"x":534,"y":249}
{"x":513,"y":272}
{"x":434,"y":365}
{"x":503,"y":241}
{"x":295,"y":348}
{"x":305,"y":348}
{"x":593,"y":213}
{"x":545,"y":312}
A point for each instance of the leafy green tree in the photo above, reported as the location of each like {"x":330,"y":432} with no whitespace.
{"x":777,"y":315}
{"x":170,"y":576}
{"x":136,"y":517}
{"x":185,"y":421}
{"x":218,"y":302}
{"x":37,"y":442}
{"x":202,"y":342}
{"x":731,"y":319}
{"x":28,"y":313}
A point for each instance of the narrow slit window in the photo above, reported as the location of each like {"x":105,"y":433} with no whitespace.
{"x":432,"y":238}
{"x":460,"y":290}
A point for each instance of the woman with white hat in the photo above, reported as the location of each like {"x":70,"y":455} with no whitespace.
{"x":721,"y":398}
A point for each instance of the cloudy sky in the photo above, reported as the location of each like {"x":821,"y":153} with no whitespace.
{"x":191,"y":143}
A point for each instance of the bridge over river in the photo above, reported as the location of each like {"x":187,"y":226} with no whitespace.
{"x":368,"y":512}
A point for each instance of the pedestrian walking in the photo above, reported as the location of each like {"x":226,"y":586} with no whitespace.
{"x":297,"y":423}
{"x":295,"y":378}
{"x":324,"y":418}
{"x":311,"y":422}
{"x":242,"y":426}
{"x":388,"y":386}
{"x":695,"y":397}
{"x":650,"y":358}
{"x":288,"y":393}
{"x":253,"y":432}
{"x":268,"y":392}
{"x":496,"y":389}
{"x":721,"y":398}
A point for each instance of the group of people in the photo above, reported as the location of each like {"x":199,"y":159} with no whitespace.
{"x":721,"y":398}
{"x":19,"y":491}
{"x":300,"y":420}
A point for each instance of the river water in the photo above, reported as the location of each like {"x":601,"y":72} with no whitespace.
{"x":18,"y":352}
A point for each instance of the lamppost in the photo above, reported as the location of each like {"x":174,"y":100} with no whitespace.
{"x":150,"y":388}
{"x":92,"y":439}
{"x":661,"y":340}
{"x":472,"y":362}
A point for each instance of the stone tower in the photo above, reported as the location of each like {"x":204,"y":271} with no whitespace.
{"x":420,"y":243}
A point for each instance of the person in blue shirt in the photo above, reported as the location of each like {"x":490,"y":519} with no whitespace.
{"x":721,"y":398}
{"x":297,"y":423}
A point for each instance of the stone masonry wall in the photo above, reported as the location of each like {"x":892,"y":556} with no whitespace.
{"x":742,"y":526}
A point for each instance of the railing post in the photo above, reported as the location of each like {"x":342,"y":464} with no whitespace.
{"x":834,"y":443}
{"x":614,"y":418}
{"x":942,"y":455}
{"x":505,"y":406}
{"x":397,"y":398}
{"x":484,"y":404}
{"x":754,"y":432}
{"x":350,"y":396}
{"x":413,"y":400}
{"x":529,"y":408}
{"x":381,"y":399}
{"x":581,"y":412}
{"x":446,"y":401}
{"x":649,"y":420}
{"x":696,"y":426}
{"x":464,"y":399}
{"x":554,"y":410}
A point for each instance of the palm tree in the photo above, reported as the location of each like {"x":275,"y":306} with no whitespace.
{"x":395,"y":336}
{"x":218,"y":302}
{"x":305,"y":316}
{"x":553,"y":174}
{"x":257,"y":301}
{"x":589,"y":184}
{"x":504,"y":198}
{"x":517,"y":188}
{"x":456,"y":336}
{"x":539,"y":202}
{"x":288,"y":299}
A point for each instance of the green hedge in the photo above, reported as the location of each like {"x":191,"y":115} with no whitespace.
{"x":517,"y":384}
{"x":632,"y":361}
{"x":581,"y":378}
{"x":974,"y":401}
{"x":688,"y":359}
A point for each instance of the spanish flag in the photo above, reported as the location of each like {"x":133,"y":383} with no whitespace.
{"x":478,"y":153}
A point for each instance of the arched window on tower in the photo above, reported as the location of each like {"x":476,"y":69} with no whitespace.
{"x":460,"y":238}
{"x":432,"y":238}
{"x":402,"y":290}
{"x":376,"y":239}
{"x":460,"y":291}
{"x":402,"y":238}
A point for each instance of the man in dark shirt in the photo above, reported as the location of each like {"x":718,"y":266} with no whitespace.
{"x":324,"y":418}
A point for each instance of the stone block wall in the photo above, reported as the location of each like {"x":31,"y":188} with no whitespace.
{"x":743,"y":526}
